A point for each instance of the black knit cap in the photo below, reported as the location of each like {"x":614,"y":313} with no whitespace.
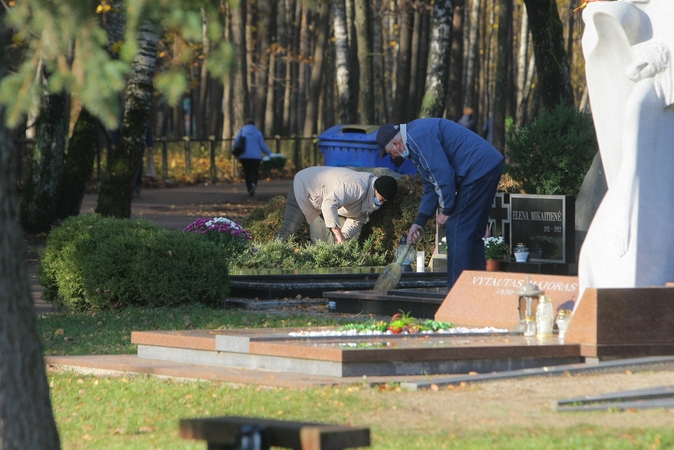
{"x":386,"y":186}
{"x":385,"y":133}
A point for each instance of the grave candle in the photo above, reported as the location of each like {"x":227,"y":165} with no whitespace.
{"x":421,"y":260}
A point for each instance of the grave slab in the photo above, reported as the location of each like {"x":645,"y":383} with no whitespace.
{"x":421,"y":303}
{"x":359,"y":355}
{"x":480,"y":299}
{"x":624,"y":322}
{"x":270,"y":284}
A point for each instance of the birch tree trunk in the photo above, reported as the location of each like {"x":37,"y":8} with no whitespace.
{"x":438,"y":60}
{"x":364,"y":61}
{"x":117,"y":188}
{"x":345,"y":107}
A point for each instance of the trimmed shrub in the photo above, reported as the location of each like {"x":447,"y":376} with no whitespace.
{"x":552,"y":155}
{"x":93,"y":262}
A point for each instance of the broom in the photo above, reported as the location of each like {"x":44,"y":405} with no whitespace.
{"x":391,"y":275}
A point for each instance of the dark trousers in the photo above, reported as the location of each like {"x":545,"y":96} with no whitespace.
{"x":251,"y":171}
{"x":467,"y":224}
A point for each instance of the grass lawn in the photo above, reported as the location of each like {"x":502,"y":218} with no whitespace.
{"x":143,"y":412}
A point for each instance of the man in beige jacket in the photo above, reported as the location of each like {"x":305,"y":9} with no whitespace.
{"x":345,"y":198}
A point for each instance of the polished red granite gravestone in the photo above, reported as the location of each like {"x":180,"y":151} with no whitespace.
{"x":624,"y":322}
{"x":489,"y":299}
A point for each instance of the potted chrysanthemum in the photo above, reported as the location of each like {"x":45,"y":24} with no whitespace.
{"x":222,"y":232}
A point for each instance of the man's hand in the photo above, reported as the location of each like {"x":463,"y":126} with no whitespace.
{"x":441,"y":219}
{"x":414,"y":234}
{"x":338,"y":235}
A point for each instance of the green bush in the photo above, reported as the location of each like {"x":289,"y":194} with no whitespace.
{"x":93,"y":262}
{"x":291,"y":255}
{"x":552,"y":155}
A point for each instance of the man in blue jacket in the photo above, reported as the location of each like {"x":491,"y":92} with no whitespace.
{"x":460,"y":172}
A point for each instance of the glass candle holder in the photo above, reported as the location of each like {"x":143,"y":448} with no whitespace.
{"x":562,"y":320}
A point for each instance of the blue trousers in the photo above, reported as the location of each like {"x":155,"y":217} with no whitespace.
{"x":467,"y":224}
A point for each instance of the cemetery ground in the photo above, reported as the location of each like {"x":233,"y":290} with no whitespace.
{"x":108,"y":410}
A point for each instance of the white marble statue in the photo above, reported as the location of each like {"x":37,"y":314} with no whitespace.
{"x":627,"y":46}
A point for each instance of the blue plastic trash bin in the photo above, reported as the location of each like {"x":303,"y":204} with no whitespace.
{"x":356,"y":145}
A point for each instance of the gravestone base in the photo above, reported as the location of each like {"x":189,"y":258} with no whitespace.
{"x":624,"y":322}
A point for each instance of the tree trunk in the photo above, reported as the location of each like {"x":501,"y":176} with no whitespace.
{"x":343,"y":80}
{"x":523,"y":81}
{"x":265,"y":8}
{"x":438,"y":60}
{"x":311,"y":117}
{"x":77,"y":165}
{"x":117,"y":188}
{"x":403,"y":62}
{"x":413,"y":88}
{"x":472,"y":53}
{"x":505,"y":19}
{"x":201,"y":110}
{"x":364,"y":61}
{"x":454,"y":99}
{"x":38,"y":207}
{"x":554,"y":82}
{"x":240,"y":104}
{"x":26,"y":418}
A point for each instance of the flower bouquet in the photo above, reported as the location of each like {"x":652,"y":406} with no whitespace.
{"x":222,"y":232}
{"x":495,"y":248}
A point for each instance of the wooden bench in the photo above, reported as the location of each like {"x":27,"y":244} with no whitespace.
{"x":247,"y":433}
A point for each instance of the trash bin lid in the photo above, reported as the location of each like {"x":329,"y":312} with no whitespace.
{"x":350,"y":133}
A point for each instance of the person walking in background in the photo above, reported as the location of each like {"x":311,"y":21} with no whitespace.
{"x":467,"y":120}
{"x":460,"y":172}
{"x":250,"y":158}
{"x":343,"y":196}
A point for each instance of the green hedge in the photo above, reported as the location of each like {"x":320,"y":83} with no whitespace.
{"x":91,"y":263}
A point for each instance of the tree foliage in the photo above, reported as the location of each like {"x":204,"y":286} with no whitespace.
{"x":552,"y":155}
{"x":68,"y":39}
